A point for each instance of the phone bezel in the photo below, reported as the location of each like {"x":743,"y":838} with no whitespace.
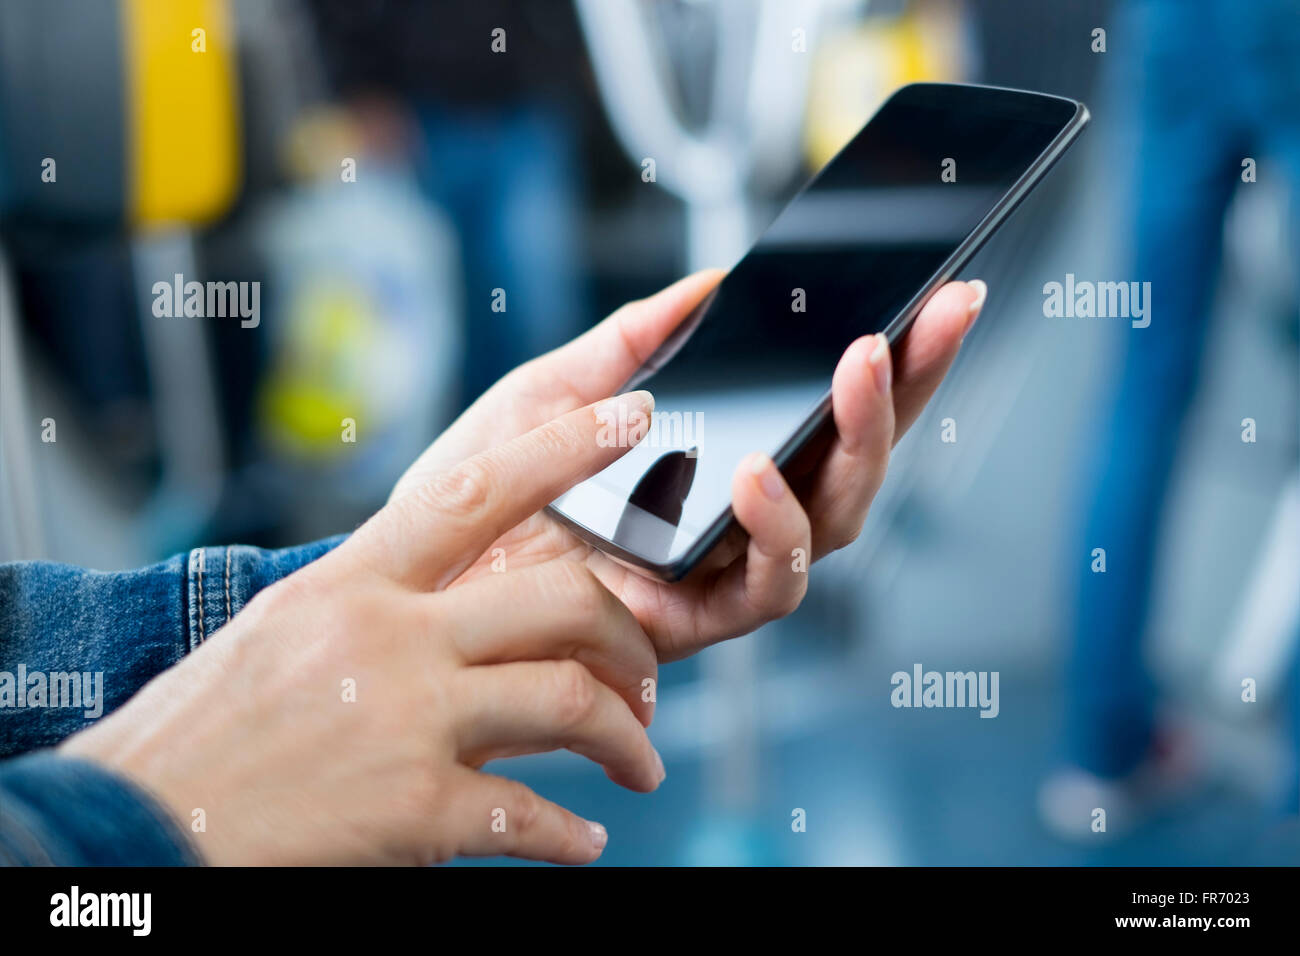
{"x":675,"y":570}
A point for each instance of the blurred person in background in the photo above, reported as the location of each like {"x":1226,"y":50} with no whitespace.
{"x":493,"y":147}
{"x":1213,"y":82}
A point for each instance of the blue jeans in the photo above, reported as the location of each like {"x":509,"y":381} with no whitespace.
{"x":1215,"y":81}
{"x":74,"y":646}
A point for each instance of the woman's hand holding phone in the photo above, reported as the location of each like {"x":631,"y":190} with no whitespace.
{"x":743,"y":583}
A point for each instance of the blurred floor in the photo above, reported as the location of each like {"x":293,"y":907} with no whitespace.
{"x":884,"y":786}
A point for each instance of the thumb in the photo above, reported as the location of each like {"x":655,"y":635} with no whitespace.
{"x":606,"y":357}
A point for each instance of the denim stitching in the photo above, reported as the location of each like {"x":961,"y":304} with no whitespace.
{"x":201,"y":558}
{"x":191,"y":605}
{"x":228,"y":615}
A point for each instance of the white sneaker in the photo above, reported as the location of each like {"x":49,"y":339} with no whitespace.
{"x":1081,"y":806}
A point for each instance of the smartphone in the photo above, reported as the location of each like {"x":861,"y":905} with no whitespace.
{"x":895,"y":215}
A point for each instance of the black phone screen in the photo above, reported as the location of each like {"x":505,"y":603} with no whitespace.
{"x":845,"y":258}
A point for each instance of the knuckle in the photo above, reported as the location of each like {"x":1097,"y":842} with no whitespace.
{"x":425,"y":798}
{"x":527,"y":808}
{"x":465,"y":489}
{"x":370,"y":623}
{"x":575,"y":693}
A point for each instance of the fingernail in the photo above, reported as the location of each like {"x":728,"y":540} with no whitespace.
{"x":628,"y":414}
{"x":639,"y":401}
{"x":599,"y":837}
{"x":881,"y":368}
{"x":659,"y":767}
{"x":768,"y":479}
{"x":981,"y":291}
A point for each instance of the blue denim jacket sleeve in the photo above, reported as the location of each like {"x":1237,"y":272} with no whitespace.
{"x":61,"y":811}
{"x":75,"y":645}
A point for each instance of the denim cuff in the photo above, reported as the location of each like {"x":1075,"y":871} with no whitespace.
{"x":63,"y":811}
{"x":116,"y":630}
{"x":219,"y":581}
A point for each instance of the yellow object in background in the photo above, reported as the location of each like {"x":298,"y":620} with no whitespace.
{"x":182,"y":108}
{"x":854,"y":72}
{"x":321,"y":376}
